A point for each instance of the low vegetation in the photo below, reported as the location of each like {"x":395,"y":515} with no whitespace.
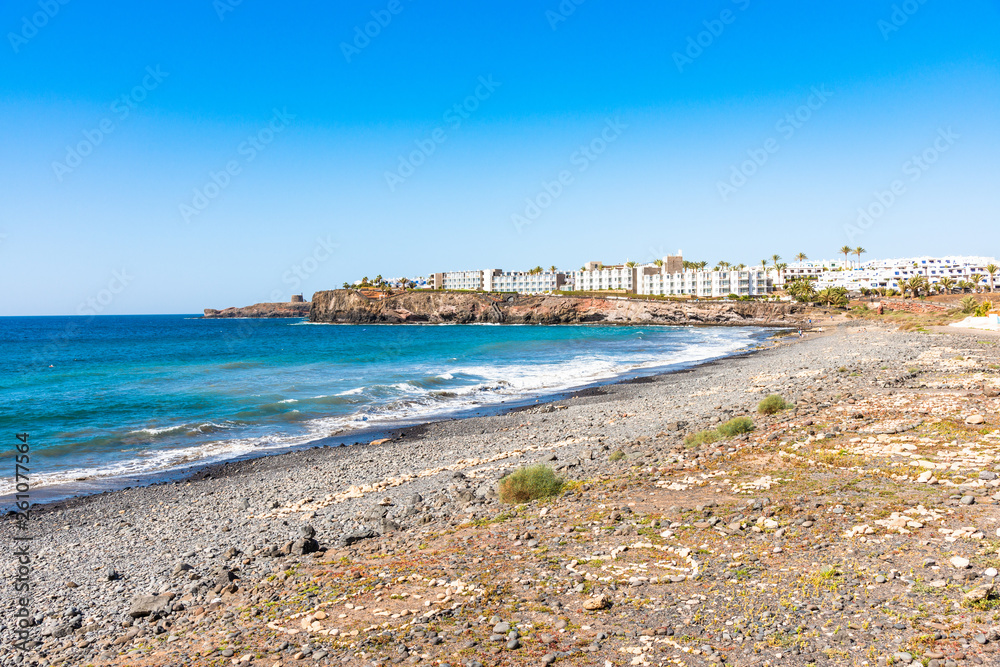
{"x":772,"y":405}
{"x":729,"y":429}
{"x":530,"y":483}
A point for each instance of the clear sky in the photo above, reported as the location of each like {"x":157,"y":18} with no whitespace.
{"x":198,"y":154}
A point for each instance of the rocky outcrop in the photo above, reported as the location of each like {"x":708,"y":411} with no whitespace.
{"x":915,"y":306}
{"x":263,"y":310}
{"x":349,"y":306}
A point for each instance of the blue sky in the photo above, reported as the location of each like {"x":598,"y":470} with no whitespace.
{"x":204,"y":154}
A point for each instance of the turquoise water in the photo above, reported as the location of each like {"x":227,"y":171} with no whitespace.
{"x":107,"y":397}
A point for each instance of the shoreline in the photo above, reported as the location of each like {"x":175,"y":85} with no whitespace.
{"x":57,"y":495}
{"x":856,"y":502}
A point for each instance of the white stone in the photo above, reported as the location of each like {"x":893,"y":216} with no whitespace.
{"x":959,"y":563}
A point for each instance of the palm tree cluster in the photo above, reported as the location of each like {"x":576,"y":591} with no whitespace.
{"x":802,"y":290}
{"x":833,"y":296}
{"x":848,"y":250}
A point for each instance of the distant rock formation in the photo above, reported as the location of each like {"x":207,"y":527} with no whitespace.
{"x":263,"y":310}
{"x":350,"y":306}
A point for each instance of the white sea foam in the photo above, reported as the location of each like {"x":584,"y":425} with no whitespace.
{"x":412,"y":404}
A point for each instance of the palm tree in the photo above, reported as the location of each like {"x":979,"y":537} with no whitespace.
{"x":763,"y":265}
{"x":859,"y":251}
{"x":775,"y":259}
{"x":947,"y":284}
{"x":740,"y":267}
{"x":780,"y":267}
{"x":536,"y":270}
{"x":658,"y":262}
{"x":975,"y":279}
{"x":702,"y":265}
{"x":834,"y":296}
{"x":630,"y":265}
{"x":845,"y":251}
{"x":915,"y":285}
{"x":992,"y":269}
{"x":553,"y":268}
{"x":802,"y":290}
{"x":801,"y":257}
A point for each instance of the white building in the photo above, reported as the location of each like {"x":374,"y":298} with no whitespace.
{"x":457,"y":280}
{"x":807,"y":269}
{"x":496,"y":280}
{"x":654,"y":280}
{"x":889,"y":273}
{"x":597,"y":277}
{"x":523,"y":282}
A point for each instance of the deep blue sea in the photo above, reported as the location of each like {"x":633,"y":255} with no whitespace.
{"x":118,"y":396}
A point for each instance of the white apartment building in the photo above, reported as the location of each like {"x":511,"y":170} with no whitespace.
{"x":523,"y":282}
{"x":748,"y":282}
{"x":457,"y":280}
{"x":596,"y":277}
{"x":497,"y":280}
{"x":807,"y":269}
{"x":889,"y":273}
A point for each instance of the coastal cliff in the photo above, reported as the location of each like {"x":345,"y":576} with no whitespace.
{"x":352,"y":307}
{"x":262,"y":310}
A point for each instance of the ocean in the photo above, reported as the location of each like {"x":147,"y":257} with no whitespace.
{"x":119,"y":398}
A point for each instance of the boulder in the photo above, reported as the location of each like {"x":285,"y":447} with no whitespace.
{"x":596,"y":603}
{"x":357,"y":536}
{"x":146,"y":605}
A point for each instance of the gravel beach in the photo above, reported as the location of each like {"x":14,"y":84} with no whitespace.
{"x":858,"y":525}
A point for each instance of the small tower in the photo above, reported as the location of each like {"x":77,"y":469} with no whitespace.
{"x":297,"y":298}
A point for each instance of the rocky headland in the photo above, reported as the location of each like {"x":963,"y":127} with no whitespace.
{"x":262,"y":310}
{"x":857,"y":525}
{"x":352,"y":307}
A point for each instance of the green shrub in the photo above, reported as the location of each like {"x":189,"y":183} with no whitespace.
{"x":530,"y":483}
{"x":968,"y":305}
{"x":702,"y":438}
{"x":617,"y":455}
{"x":731,"y":428}
{"x":772,"y":405}
{"x":736,"y":426}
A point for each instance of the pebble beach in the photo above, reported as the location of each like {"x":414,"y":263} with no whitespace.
{"x":856,"y":526}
